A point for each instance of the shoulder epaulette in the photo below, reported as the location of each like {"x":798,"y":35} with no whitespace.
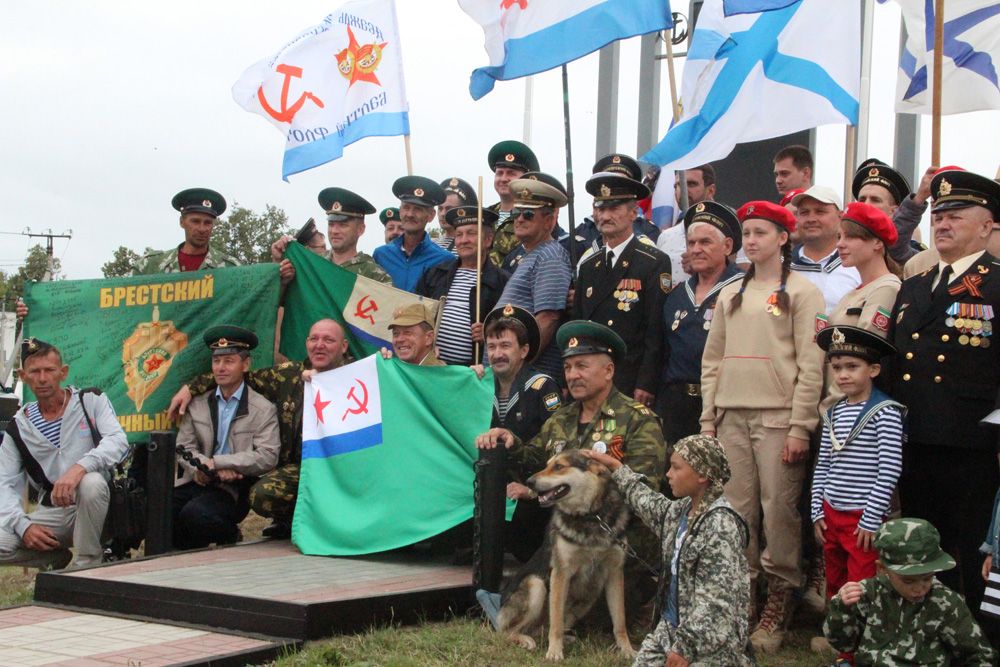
{"x":640,"y":408}
{"x":647,"y":253}
{"x":646,"y":240}
{"x":536,"y":381}
{"x":588,"y":254}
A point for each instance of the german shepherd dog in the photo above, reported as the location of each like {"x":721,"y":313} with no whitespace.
{"x":577,"y":560}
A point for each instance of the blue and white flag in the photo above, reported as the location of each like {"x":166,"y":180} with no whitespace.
{"x":970,"y":58}
{"x":529,"y":36}
{"x":665,"y":210}
{"x":756,"y":75}
{"x":332,"y":84}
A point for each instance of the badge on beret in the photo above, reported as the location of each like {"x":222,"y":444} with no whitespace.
{"x":838,"y":336}
{"x":460,"y":212}
{"x":750,"y":209}
{"x":390,"y":213}
{"x":508,"y":310}
{"x":573,"y":342}
{"x":525,"y":193}
{"x":419,"y":192}
{"x":337,"y":206}
{"x":873,"y":171}
{"x":206,"y":203}
{"x":616,"y":159}
{"x":699,"y":208}
{"x":222,"y":342}
{"x":509,"y":157}
{"x":945,"y":187}
{"x":605,"y":191}
{"x":453,"y":182}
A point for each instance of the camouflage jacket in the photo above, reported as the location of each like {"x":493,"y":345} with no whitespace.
{"x":364,"y":265}
{"x":884,"y":629}
{"x":713,"y":583}
{"x":165,"y":261}
{"x":629,"y":430}
{"x":503,"y":238}
{"x":282,"y":385}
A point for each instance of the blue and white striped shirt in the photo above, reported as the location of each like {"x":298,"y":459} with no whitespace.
{"x":861,"y":475}
{"x":50,"y":429}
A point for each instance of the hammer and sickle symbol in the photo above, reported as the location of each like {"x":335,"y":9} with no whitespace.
{"x":287,"y":113}
{"x":361,"y":405}
{"x":362,"y":311}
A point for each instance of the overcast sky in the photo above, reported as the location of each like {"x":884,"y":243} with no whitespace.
{"x":110,"y":107}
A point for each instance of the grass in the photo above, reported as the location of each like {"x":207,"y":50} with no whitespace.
{"x":457,"y":642}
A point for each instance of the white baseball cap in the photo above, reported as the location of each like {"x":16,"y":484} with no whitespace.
{"x":820,"y":193}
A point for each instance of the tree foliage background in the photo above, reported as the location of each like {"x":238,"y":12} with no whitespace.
{"x":35,"y":265}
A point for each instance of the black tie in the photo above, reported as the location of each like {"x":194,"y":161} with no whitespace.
{"x":610,"y":259}
{"x":942,"y":287}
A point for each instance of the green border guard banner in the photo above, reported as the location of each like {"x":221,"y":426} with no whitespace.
{"x":139,"y":338}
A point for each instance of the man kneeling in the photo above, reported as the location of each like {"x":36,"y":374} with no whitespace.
{"x":233,"y":433}
{"x":50,"y":439}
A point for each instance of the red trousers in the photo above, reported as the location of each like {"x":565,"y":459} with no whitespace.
{"x":844,"y":560}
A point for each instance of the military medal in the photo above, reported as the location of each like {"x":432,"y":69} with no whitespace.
{"x":600,"y":447}
{"x":975,"y":341}
{"x":772,"y":305}
{"x":963,"y":340}
{"x":595,"y":437}
{"x":708,"y":315}
{"x":590,"y":290}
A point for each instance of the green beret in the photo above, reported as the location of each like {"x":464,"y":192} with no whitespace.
{"x":341,"y":204}
{"x":512,"y":154}
{"x":387,"y":214}
{"x":199,"y":200}
{"x":586,"y":337}
{"x":229,"y":339}
{"x":418,"y":190}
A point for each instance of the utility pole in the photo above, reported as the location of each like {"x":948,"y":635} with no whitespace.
{"x":49,"y":247}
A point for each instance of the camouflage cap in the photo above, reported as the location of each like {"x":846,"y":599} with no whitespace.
{"x":705,"y":454}
{"x":911,"y":547}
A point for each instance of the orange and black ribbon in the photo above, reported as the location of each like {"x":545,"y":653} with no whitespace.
{"x":969,"y":284}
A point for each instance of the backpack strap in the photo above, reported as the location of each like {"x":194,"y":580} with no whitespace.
{"x":30,"y":463}
{"x":94,"y":433}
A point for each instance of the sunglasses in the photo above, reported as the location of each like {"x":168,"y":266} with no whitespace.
{"x":526,"y":213}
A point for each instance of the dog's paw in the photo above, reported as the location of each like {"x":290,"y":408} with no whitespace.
{"x":555,"y":653}
{"x":524,"y":641}
{"x":627,"y":650}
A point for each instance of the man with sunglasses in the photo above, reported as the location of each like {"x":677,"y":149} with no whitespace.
{"x":541,"y":280}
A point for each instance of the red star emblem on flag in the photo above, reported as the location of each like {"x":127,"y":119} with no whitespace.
{"x":319,"y":404}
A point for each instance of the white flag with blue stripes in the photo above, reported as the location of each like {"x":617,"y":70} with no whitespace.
{"x":970,"y":57}
{"x":529,"y":36}
{"x":332,"y":84}
{"x":759,"y":69}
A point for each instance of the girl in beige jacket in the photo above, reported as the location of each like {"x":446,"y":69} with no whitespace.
{"x":761,"y":383}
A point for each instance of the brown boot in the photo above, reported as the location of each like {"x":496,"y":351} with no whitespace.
{"x":814,"y":595}
{"x":774,"y":618}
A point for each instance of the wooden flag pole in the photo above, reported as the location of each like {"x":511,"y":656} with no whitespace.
{"x":479,"y":263}
{"x":676,"y":106}
{"x":936,"y":100}
{"x":409,"y":157}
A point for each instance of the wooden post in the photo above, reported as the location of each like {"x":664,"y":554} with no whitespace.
{"x":936,"y":100}
{"x":479,"y":262}
{"x":409,"y":157}
{"x":675,"y":103}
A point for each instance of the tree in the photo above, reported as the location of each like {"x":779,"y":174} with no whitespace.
{"x":122,"y":263}
{"x":248,"y":236}
{"x":35,"y":266}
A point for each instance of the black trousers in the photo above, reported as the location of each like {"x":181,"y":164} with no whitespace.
{"x":207,"y":514}
{"x":680,"y":412}
{"x":953,"y":488}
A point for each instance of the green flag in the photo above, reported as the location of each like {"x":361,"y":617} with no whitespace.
{"x":139,"y":338}
{"x":388,"y":450}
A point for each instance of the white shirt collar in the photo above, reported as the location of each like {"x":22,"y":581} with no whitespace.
{"x":618,"y":249}
{"x":960,"y":266}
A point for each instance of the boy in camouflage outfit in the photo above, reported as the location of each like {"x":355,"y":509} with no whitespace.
{"x":904,"y":616}
{"x":705,"y":596}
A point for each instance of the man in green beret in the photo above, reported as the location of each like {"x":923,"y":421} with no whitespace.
{"x":392,"y":223}
{"x":509,"y":161}
{"x":233,"y":434}
{"x":905,"y":616}
{"x":345,"y":215}
{"x":599,"y":418}
{"x":199,"y":209}
{"x":407,"y":257}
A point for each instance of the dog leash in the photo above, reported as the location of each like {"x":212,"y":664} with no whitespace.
{"x":629,"y":551}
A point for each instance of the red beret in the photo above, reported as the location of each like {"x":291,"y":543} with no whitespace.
{"x":765,"y":210}
{"x":787,"y":199}
{"x":872,"y":219}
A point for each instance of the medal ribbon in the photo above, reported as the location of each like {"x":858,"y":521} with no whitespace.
{"x":969,"y":284}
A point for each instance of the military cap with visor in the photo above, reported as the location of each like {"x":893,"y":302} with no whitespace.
{"x":876,"y":172}
{"x":872,"y":219}
{"x":199,"y":200}
{"x":460,"y":216}
{"x":388,"y":215}
{"x":510,"y":311}
{"x":717,"y":215}
{"x":955,"y":189}
{"x":455,"y":185}
{"x":842,"y":340}
{"x":765,"y":210}
{"x":420,"y":312}
{"x":32,"y":346}
{"x":341,"y":204}
{"x":512,"y":154}
{"x":911,"y":547}
{"x":585,"y":337}
{"x":611,"y":189}
{"x":418,"y":190}
{"x":535,"y":192}
{"x":617,"y":163}
{"x":307,"y":232}
{"x":229,"y":339}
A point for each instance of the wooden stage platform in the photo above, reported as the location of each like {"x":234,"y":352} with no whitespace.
{"x":264,"y":592}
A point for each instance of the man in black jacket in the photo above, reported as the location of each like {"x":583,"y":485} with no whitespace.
{"x":455,"y":279}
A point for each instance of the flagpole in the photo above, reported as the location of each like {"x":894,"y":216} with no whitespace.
{"x":529,"y":88}
{"x":867,"y":30}
{"x":569,"y":171}
{"x":675,"y":103}
{"x":850,"y":146}
{"x":479,"y":262}
{"x":936,"y":100}
{"x":409,"y":157}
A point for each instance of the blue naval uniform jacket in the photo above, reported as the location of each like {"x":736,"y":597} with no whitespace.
{"x":684,"y":344}
{"x":404,"y":269}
